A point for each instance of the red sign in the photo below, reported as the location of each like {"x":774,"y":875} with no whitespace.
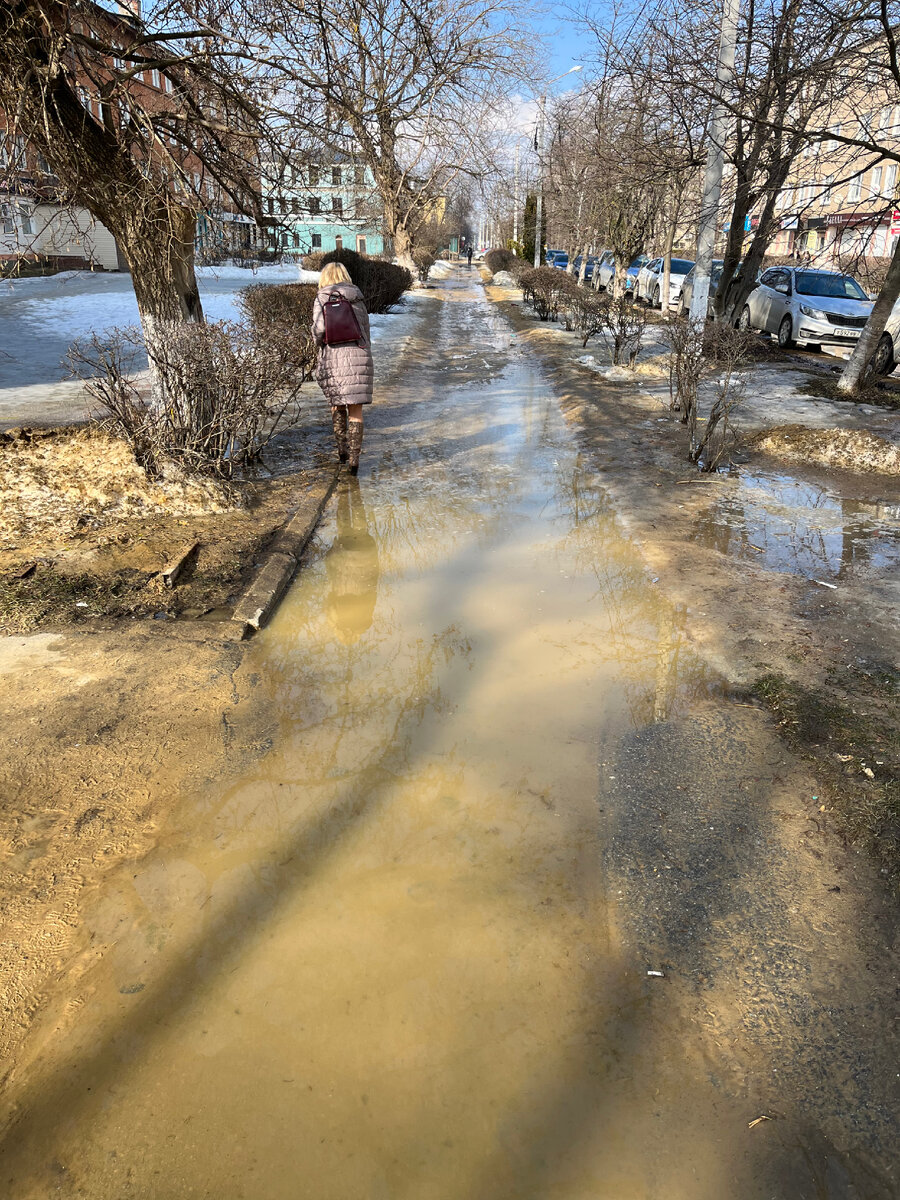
{"x":895,"y":222}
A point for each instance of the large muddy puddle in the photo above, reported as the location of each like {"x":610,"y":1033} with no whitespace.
{"x":382,"y":965}
{"x":799,"y":527}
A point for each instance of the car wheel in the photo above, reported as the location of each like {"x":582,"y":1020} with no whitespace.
{"x":785,"y":332}
{"x":682,"y":307}
{"x":883,"y":358}
{"x":744,"y":322}
{"x":656,"y":302}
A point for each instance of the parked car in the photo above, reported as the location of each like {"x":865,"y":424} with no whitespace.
{"x":560,"y":260}
{"x":812,"y":306}
{"x":687,"y":288}
{"x":552,"y":255}
{"x":887,"y":352}
{"x":650,"y":280}
{"x":605,"y":269}
{"x":589,"y":267}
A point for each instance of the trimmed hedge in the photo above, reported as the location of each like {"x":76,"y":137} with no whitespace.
{"x":545,"y":289}
{"x":381,"y":283}
{"x":502,"y":260}
{"x":282,"y":310}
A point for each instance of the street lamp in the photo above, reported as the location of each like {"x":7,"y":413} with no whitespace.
{"x":539,"y":147}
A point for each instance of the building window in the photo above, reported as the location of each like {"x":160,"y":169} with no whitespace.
{"x":315,"y":206}
{"x":832,"y":144}
{"x":317,"y":241}
{"x":827,"y":192}
{"x":296,"y":238}
{"x":875,"y":182}
{"x":270,"y":203}
{"x":854,"y":191}
{"x":7,"y":223}
{"x":360,"y":245}
{"x":335,"y":176}
{"x":338,"y":243}
{"x":359,"y":177}
{"x":154,"y":77}
{"x":890,"y":181}
{"x":337,"y":204}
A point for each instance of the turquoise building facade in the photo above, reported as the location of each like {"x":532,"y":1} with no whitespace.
{"x":322,"y":207}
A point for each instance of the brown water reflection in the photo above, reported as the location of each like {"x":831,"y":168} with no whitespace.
{"x":383,"y":964}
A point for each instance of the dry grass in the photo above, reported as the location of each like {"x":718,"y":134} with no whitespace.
{"x":78,"y":476}
{"x":849,"y":449}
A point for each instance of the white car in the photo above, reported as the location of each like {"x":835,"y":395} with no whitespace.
{"x":650,"y":280}
{"x":808,"y":305}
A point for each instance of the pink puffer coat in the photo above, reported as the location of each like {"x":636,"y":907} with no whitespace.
{"x":344,"y":373}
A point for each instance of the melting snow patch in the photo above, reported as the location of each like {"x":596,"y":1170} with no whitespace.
{"x":614,"y":374}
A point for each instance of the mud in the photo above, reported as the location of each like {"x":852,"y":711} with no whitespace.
{"x":523,"y":900}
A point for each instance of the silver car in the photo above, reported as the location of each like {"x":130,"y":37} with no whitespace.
{"x":604,"y":269}
{"x":807,"y":305}
{"x":650,"y":280}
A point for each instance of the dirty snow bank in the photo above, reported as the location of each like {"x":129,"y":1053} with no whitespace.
{"x":852,"y":449}
{"x":55,"y":481}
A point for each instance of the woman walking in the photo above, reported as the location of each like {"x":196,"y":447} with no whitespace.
{"x":344,"y":371}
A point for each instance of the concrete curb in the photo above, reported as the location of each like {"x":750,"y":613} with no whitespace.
{"x":260,"y":598}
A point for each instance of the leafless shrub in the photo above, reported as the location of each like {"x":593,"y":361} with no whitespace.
{"x":621,"y":329}
{"x":229,"y":391}
{"x":686,"y":367}
{"x":696,"y":349}
{"x":728,"y":351}
{"x":500,"y":260}
{"x":589,"y":313}
{"x":545,"y":289}
{"x":424,"y":261}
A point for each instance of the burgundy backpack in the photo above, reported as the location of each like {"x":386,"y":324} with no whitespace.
{"x":341,"y":325}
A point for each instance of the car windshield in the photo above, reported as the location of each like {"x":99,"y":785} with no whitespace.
{"x":681,"y":266}
{"x":838,"y":287}
{"x":639,"y":261}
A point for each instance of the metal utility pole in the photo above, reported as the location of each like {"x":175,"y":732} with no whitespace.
{"x":539,"y":198}
{"x":715,"y":159}
{"x":516,"y":197}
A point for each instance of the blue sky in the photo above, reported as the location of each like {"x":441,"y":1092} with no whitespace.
{"x":565,"y":43}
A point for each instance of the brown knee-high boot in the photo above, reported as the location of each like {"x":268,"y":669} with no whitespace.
{"x":354,"y":436}
{"x":339,"y":425}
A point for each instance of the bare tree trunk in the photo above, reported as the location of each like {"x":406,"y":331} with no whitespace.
{"x":403,"y":247}
{"x":667,"y":268}
{"x":159,"y":249}
{"x":858,"y":364}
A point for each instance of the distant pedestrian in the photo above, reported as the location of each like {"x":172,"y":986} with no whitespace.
{"x":469,"y":256}
{"x":344,"y":370}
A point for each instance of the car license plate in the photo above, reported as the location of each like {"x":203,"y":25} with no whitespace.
{"x":847,"y":333}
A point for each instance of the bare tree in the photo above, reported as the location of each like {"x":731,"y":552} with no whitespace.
{"x":142,"y":123}
{"x":406,"y":88}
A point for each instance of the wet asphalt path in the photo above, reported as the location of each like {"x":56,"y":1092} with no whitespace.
{"x":515,"y":902}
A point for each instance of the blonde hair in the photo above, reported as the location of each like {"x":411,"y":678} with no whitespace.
{"x":332,"y":273}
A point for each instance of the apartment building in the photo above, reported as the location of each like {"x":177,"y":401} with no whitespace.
{"x":841,"y":202}
{"x":323,"y":206}
{"x":42,"y":228}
